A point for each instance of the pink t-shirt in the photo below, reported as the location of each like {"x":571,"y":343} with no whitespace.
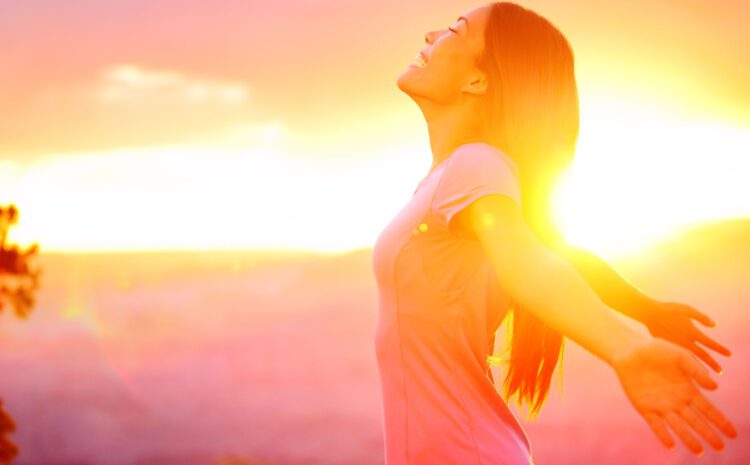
{"x":440,"y":304}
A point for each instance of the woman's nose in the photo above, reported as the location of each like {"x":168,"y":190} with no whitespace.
{"x":430,"y":36}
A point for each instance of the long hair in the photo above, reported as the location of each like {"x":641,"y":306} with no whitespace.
{"x":531,"y":112}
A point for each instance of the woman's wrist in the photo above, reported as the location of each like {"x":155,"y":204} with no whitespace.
{"x":639,"y":307}
{"x":622,"y":347}
{"x":647,"y":309}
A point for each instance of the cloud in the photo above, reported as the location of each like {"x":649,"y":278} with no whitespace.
{"x":128,"y":83}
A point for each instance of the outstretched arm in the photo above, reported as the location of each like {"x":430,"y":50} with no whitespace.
{"x":668,"y":320}
{"x":612,"y":288}
{"x":657,"y":376}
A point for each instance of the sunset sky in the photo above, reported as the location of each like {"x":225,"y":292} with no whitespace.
{"x":176,"y":125}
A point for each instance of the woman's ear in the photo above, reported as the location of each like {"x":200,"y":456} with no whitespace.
{"x":477,"y":84}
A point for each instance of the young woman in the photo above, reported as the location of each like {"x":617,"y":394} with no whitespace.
{"x":475,"y":243}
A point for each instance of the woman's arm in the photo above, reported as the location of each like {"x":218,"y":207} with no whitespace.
{"x":542,"y":281}
{"x":656,"y":375}
{"x":672,"y":321}
{"x":612,"y":288}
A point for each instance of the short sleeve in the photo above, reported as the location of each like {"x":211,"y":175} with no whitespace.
{"x":473,"y":171}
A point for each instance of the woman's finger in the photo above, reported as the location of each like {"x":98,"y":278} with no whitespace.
{"x":683,"y":432}
{"x":657,"y":426}
{"x":701,"y":426}
{"x":697,"y":371}
{"x":703,"y":355}
{"x":714,"y":415}
{"x":697,"y":315}
{"x":711,"y":344}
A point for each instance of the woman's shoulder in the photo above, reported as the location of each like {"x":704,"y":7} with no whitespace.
{"x":482,"y":156}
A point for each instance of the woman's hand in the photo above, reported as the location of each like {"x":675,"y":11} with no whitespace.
{"x":672,"y":321}
{"x":657,"y":377}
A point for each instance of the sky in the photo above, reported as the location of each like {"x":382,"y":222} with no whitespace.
{"x":196,"y":125}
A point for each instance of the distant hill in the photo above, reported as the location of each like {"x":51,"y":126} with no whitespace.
{"x":708,"y":242}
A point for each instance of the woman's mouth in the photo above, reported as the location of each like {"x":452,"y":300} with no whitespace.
{"x":420,"y":61}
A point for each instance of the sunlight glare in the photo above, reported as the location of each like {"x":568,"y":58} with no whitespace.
{"x":640,"y":174}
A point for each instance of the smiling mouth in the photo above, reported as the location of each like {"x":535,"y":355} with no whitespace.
{"x":420,"y":60}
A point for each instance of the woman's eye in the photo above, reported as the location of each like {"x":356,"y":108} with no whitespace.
{"x":452,"y":30}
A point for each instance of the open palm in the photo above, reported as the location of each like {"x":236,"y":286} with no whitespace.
{"x":657,"y":378}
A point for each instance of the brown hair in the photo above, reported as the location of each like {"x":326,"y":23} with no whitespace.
{"x":532,"y":114}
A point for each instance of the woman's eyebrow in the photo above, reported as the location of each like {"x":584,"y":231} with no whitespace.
{"x":467,"y":22}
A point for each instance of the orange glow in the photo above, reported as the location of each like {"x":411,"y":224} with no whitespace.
{"x":306,"y":143}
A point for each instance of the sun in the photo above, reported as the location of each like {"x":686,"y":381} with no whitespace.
{"x":640,"y":175}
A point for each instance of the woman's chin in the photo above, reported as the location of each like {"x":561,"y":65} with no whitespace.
{"x":406,"y":81}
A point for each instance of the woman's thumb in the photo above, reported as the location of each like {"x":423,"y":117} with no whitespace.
{"x":691,"y":366}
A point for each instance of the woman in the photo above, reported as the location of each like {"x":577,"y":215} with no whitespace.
{"x":498,"y":92}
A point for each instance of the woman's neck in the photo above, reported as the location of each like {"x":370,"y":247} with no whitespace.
{"x":451,"y":128}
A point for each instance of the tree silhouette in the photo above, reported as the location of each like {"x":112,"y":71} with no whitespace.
{"x":8,"y":449}
{"x":17,"y":285}
{"x":17,"y":281}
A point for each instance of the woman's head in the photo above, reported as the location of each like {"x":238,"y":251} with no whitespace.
{"x":447,"y":73}
{"x":512,"y":71}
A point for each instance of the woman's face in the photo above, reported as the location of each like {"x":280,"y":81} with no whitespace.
{"x":448,"y":66}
